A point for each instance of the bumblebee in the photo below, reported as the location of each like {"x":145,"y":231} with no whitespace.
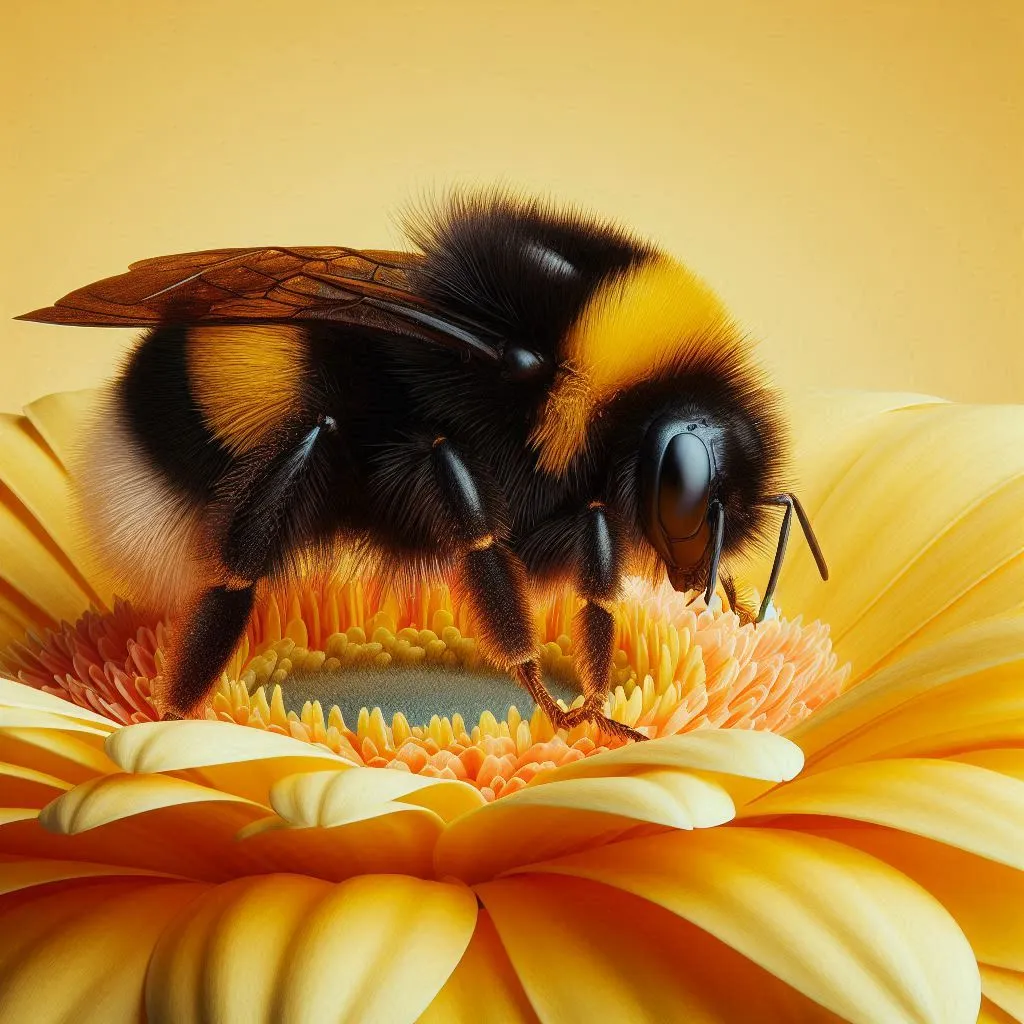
{"x":532,"y":396}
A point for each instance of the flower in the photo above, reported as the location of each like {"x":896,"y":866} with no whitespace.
{"x":199,"y":870}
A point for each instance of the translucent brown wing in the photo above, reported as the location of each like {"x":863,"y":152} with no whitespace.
{"x":370,"y":288}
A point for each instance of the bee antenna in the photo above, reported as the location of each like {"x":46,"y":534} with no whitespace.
{"x":717,"y":514}
{"x":791,"y":504}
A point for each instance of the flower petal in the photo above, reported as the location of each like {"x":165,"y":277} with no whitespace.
{"x":81,"y":953}
{"x":963,"y":805}
{"x":243,"y":761}
{"x":61,"y":418}
{"x":638,"y":963}
{"x":102,"y":801}
{"x":845,"y":929}
{"x":955,"y":693}
{"x":26,"y":787}
{"x":17,"y":874}
{"x":282,"y":947}
{"x":905,"y":585}
{"x":541,"y":822}
{"x":984,"y":897}
{"x":746,"y":752}
{"x":334,"y":798}
{"x":395,"y":839}
{"x":1005,"y":989}
{"x":33,"y":568}
{"x":40,"y":483}
{"x":484,"y":988}
{"x":73,"y":757}
{"x":17,"y":695}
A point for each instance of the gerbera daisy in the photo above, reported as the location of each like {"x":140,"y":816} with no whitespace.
{"x":371,"y":824}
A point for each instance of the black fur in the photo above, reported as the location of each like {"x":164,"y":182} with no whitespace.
{"x":162,"y":413}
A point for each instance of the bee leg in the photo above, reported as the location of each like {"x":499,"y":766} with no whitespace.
{"x":745,"y":614}
{"x":205,"y":641}
{"x":598,"y":577}
{"x":255,"y":504}
{"x":494,"y":579}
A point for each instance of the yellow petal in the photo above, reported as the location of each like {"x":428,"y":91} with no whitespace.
{"x":39,"y":482}
{"x":831,"y":431}
{"x":26,"y":787}
{"x":61,"y":419}
{"x":397,"y":839}
{"x":920,"y":523}
{"x":334,"y":798}
{"x":1006,"y":761}
{"x":541,"y":822}
{"x":17,"y":874}
{"x":746,"y":752}
{"x":484,"y":988}
{"x":35,"y":569}
{"x":73,"y":757}
{"x":962,"y":686}
{"x":845,"y":929}
{"x":984,"y":897}
{"x":34,"y":718}
{"x":81,"y":953}
{"x":239,"y":760}
{"x":287,"y":948}
{"x":605,"y":955}
{"x":991,"y":1014}
{"x":1005,"y":989}
{"x":18,"y":695}
{"x":960,"y":804}
{"x":101,"y":801}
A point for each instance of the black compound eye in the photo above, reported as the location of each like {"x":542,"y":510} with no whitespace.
{"x":677,"y":477}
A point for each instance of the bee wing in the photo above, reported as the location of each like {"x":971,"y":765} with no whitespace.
{"x":373,"y":289}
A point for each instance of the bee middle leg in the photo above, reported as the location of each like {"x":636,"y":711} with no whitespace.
{"x":495,"y":581}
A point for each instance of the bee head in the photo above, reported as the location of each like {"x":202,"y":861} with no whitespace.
{"x":680,"y":510}
{"x":684,"y":494}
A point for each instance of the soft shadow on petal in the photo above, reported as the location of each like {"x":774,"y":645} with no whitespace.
{"x":541,"y":822}
{"x":845,"y":929}
{"x":1005,"y":989}
{"x":393,"y":838}
{"x":81,"y":953}
{"x":17,"y":874}
{"x":962,"y":805}
{"x":484,"y":988}
{"x":606,"y":955}
{"x":283,"y":947}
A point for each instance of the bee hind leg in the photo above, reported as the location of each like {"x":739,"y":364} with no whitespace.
{"x":258,"y":502}
{"x":206,"y":638}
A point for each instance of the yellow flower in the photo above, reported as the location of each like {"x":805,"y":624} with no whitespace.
{"x":490,"y":870}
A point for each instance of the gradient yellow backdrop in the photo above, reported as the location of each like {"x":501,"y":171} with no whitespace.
{"x":848,"y":175}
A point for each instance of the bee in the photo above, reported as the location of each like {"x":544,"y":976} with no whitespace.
{"x":531,"y":396}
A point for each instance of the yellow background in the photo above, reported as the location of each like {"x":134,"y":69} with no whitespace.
{"x":847,"y":175}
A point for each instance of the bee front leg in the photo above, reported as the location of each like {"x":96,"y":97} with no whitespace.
{"x":257,"y":502}
{"x":598,"y":571}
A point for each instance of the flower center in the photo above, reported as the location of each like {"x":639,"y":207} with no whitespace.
{"x":398,"y":681}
